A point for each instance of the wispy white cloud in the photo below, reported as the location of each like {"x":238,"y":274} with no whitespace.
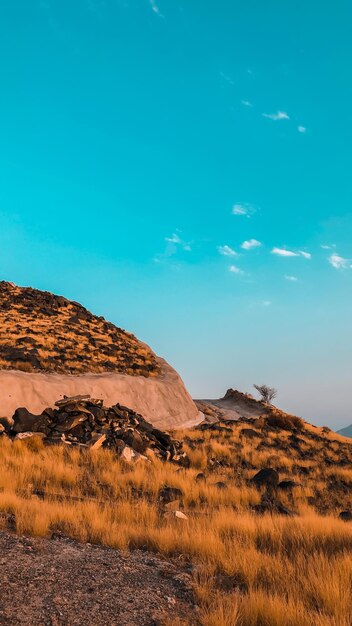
{"x":173,"y":239}
{"x":226,"y":251}
{"x":280,"y":115}
{"x":235,"y":270}
{"x":155,"y":8}
{"x":290,"y":253}
{"x":291,"y":278}
{"x":246,"y":103}
{"x":283,"y":252}
{"x":243,"y":209}
{"x":251,"y":243}
{"x":301,"y":129}
{"x":227,"y":78}
{"x":326,"y":247}
{"x":266,"y":302}
{"x":338,"y":262}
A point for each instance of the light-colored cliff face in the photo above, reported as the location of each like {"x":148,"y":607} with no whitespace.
{"x":162,"y":400}
{"x":51,"y":347}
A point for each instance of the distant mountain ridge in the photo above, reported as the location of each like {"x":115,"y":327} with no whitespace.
{"x":345,"y":432}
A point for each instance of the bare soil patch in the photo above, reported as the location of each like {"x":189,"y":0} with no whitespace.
{"x":62,"y":582}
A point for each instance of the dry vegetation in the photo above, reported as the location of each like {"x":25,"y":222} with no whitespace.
{"x":249,"y":569}
{"x":44,"y":332}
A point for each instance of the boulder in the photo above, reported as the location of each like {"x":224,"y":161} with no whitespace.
{"x":24,"y":421}
{"x":286,"y":485}
{"x":346,"y":516}
{"x":266,"y":477}
{"x":130,"y":456}
{"x":273,"y":506}
{"x":169,"y":494}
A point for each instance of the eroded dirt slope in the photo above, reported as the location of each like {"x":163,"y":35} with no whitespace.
{"x":62,"y":582}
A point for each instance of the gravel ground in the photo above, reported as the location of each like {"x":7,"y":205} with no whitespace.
{"x":56,"y":582}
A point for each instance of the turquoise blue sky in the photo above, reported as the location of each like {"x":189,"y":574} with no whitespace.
{"x":184,"y":169}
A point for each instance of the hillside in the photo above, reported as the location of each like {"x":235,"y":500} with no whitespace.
{"x":44,"y":332}
{"x":51,"y":347}
{"x":259,"y":519}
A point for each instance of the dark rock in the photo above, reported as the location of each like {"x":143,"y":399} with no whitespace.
{"x":220,"y":485}
{"x":250,"y":433}
{"x":25,"y":421}
{"x":346,"y":516}
{"x":169,"y":494}
{"x":82,"y":421}
{"x":135,"y":440}
{"x":200,"y":477}
{"x":287,"y":484}
{"x":273,"y":506}
{"x":266,"y":477}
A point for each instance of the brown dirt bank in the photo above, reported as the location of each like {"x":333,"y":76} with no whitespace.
{"x":62,"y":582}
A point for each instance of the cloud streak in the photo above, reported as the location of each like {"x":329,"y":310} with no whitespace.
{"x":250,"y":244}
{"x":243,"y":209}
{"x":280,"y":115}
{"x":290,"y":253}
{"x":226,"y":251}
{"x":338,"y":262}
{"x":155,"y":8}
{"x":235,"y":270}
{"x":283,"y":252}
{"x":293,"y":279}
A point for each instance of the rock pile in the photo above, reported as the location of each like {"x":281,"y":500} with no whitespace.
{"x":84,"y":422}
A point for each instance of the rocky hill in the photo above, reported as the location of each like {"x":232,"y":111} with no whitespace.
{"x":44,"y":332}
{"x":234,"y":405}
{"x":51,"y":347}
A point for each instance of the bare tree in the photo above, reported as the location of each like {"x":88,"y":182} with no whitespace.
{"x":267,"y":393}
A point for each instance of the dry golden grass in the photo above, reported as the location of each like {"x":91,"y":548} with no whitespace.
{"x":249,"y":570}
{"x":41,"y":331}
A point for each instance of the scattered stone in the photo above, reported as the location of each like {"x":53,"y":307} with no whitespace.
{"x":97,"y":441}
{"x":266,"y":477}
{"x":200,"y":477}
{"x":25,"y":421}
{"x":287,"y":484}
{"x":130,"y":456}
{"x":176,"y":514}
{"x":273,"y":506}
{"x":169,"y":494}
{"x":180,"y":515}
{"x":250,"y":433}
{"x":6,"y":422}
{"x":28,"y":434}
{"x":220,"y":485}
{"x":346,"y":516}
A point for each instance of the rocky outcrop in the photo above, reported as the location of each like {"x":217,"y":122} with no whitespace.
{"x":51,"y":347}
{"x":234,"y":405}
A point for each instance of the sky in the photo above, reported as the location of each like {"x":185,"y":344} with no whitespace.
{"x":184,"y":169}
